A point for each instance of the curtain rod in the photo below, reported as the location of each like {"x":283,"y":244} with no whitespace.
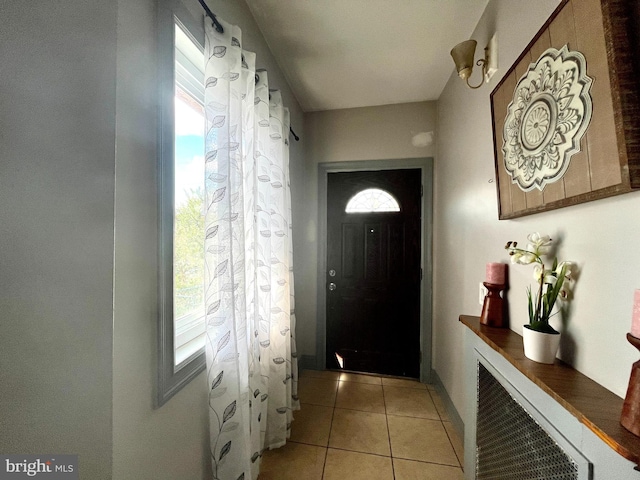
{"x":212,"y":16}
{"x":294,"y":134}
{"x":219,"y":28}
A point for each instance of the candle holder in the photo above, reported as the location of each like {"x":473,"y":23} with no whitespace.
{"x":493,"y":307}
{"x":630,"y":418}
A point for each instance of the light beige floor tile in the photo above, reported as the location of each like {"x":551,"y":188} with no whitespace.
{"x":437,"y":401}
{"x":312,"y":424}
{"x":341,"y":465}
{"x":409,"y":402}
{"x":324,"y":374}
{"x":360,"y":396}
{"x":317,"y":391}
{"x":356,"y":377}
{"x":420,"y":439}
{"x":431,"y":387}
{"x":293,"y":462}
{"x":411,"y":470}
{"x":360,"y":431}
{"x":456,"y":441}
{"x":403,"y":382}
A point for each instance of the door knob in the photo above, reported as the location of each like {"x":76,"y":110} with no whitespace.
{"x":332,"y":286}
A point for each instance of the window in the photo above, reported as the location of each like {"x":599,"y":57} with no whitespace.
{"x":372,"y":200}
{"x":188,"y":201}
{"x":181,"y":328}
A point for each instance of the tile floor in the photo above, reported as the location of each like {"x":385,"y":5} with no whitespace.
{"x":362,"y":427}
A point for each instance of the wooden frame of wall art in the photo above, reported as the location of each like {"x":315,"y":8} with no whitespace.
{"x":566,"y":116}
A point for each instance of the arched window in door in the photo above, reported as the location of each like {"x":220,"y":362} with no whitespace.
{"x":372,"y":200}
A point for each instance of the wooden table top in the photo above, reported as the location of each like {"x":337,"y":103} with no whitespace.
{"x":591,"y":403}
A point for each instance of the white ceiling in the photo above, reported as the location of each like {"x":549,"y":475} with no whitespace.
{"x":355,"y":53}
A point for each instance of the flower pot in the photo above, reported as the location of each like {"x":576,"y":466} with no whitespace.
{"x":540,"y":347}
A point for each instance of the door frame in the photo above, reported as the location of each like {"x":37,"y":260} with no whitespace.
{"x":426,"y":261}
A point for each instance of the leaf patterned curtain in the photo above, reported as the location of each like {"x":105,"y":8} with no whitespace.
{"x":250,"y":343}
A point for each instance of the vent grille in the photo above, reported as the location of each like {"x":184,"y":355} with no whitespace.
{"x":511,"y":445}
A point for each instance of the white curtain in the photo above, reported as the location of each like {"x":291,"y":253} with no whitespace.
{"x":251,"y":355}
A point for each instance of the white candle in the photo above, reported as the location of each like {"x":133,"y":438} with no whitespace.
{"x":635,"y":323}
{"x":496,"y":273}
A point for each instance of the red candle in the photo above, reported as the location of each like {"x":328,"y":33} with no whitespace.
{"x":496,"y":273}
{"x":635,"y":323}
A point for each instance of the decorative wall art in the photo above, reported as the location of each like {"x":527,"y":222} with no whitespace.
{"x":549,"y":114}
{"x":565,"y":116}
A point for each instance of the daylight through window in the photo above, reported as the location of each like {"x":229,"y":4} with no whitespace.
{"x":188,"y":227}
{"x":372,"y":200}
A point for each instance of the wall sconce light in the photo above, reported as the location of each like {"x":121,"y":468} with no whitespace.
{"x":463,"y":55}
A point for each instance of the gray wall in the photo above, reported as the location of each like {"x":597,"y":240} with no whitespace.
{"x":79,"y":305}
{"x":371,"y":133}
{"x":601,"y":236}
{"x":170,"y":442}
{"x":57,"y":150}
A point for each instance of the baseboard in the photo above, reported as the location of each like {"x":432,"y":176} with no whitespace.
{"x":307,"y":362}
{"x":452,"y":412}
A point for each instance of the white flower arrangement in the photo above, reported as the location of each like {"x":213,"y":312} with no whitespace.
{"x":552,"y":283}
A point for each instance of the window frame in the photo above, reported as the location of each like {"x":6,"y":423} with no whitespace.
{"x":171,"y":378}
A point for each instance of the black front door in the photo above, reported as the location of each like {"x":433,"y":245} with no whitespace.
{"x":373,"y":274}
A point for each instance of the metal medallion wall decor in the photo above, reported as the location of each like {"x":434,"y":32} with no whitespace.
{"x":549,"y":114}
{"x":565,"y":115}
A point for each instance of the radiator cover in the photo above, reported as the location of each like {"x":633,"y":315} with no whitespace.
{"x":510,"y":443}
